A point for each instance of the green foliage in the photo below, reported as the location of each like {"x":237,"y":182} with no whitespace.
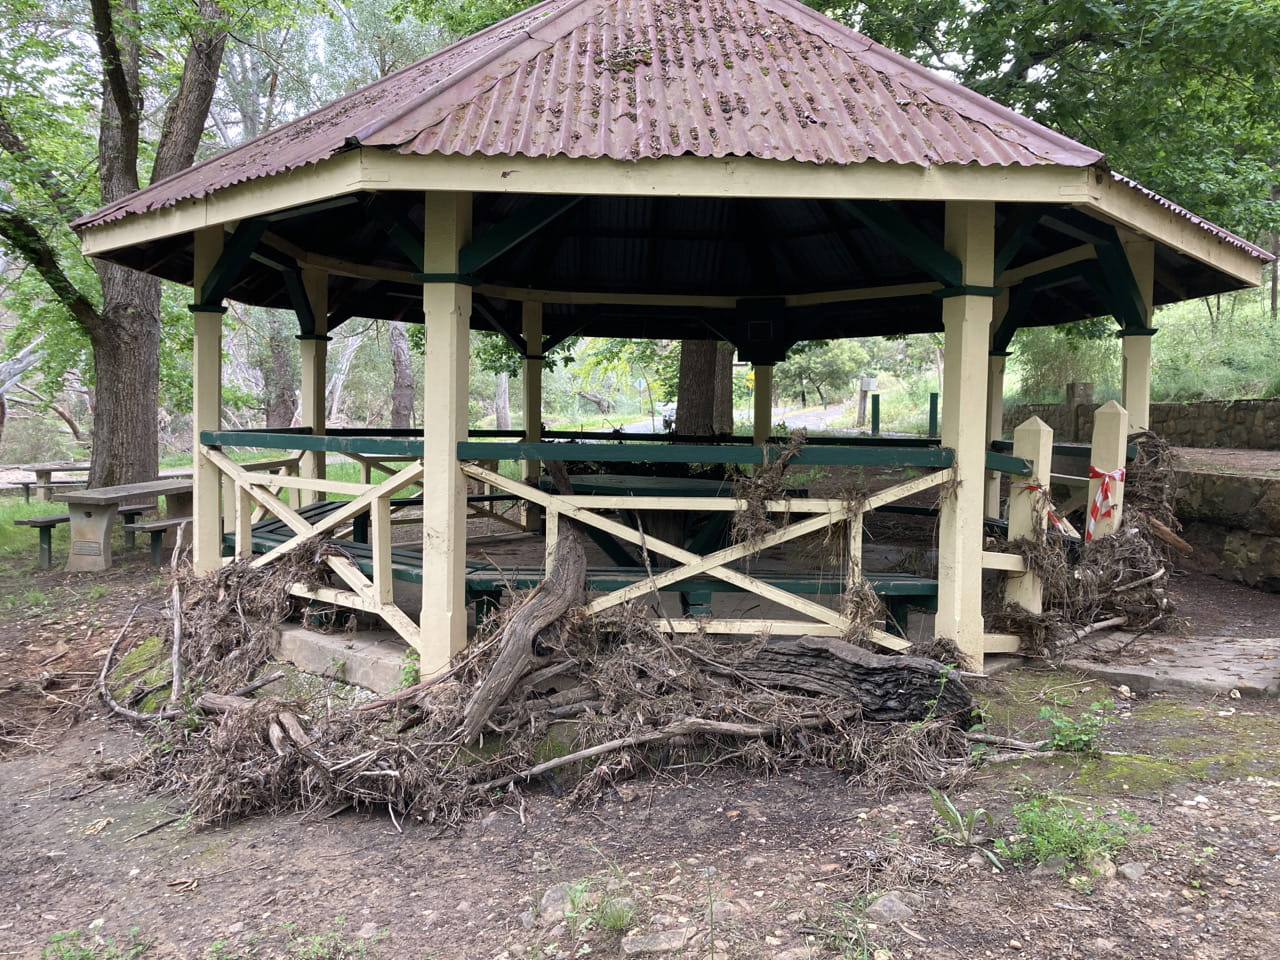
{"x":1179,"y":94}
{"x":825,"y":368}
{"x":410,"y":668}
{"x":1046,"y":358}
{"x":1049,"y":829}
{"x":962,"y":827}
{"x":1217,"y":348}
{"x":77,"y":945}
{"x":1082,"y":734}
{"x":843,"y":930}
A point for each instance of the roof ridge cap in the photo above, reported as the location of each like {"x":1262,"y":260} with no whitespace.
{"x":531,"y":35}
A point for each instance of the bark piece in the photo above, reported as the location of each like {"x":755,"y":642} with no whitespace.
{"x":886,"y":688}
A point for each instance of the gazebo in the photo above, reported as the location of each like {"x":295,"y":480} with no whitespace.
{"x":745,"y":171}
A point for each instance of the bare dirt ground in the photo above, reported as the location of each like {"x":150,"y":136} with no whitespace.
{"x":698,"y":863}
{"x":718,"y":863}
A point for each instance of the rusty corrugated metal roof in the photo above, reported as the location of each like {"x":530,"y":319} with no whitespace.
{"x":630,"y":79}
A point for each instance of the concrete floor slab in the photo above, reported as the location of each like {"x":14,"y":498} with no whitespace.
{"x":1250,"y":666}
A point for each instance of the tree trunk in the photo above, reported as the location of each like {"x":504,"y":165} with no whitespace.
{"x":280,"y":385}
{"x":402,"y":391}
{"x":722,"y":415}
{"x":696,"y":400}
{"x":502,"y":401}
{"x":126,"y":360}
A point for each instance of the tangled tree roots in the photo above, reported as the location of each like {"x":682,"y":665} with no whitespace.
{"x":597,"y":702}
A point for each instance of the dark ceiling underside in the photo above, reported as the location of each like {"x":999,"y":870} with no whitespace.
{"x":682,"y":247}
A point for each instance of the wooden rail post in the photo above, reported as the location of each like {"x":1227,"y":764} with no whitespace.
{"x":762,"y":404}
{"x":446,"y":304}
{"x":313,"y":350}
{"x":966,"y":319}
{"x":1106,"y":470}
{"x":206,"y":406}
{"x":996,"y":361}
{"x":531,"y":320}
{"x":1029,"y":507}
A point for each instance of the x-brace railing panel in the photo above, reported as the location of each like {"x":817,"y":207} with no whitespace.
{"x":374,"y":595}
{"x":692,"y":564}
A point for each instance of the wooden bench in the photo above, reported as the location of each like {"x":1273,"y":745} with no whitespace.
{"x":45,"y":487}
{"x":157,"y":529}
{"x":45,"y":525}
{"x":129,"y":515}
{"x":899,"y":591}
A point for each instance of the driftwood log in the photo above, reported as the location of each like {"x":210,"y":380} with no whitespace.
{"x":562,"y":590}
{"x":886,"y":688}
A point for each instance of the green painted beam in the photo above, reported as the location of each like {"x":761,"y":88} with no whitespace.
{"x":935,"y":457}
{"x":1122,"y":293}
{"x":896,"y":230}
{"x":517,"y":228}
{"x":390,"y":446}
{"x":1008,"y":464}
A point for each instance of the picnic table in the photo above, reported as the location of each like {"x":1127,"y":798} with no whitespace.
{"x":93,"y":513}
{"x":44,"y":483}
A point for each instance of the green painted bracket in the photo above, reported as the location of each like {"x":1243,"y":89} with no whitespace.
{"x":501,"y":237}
{"x":236,"y":251}
{"x":407,"y":237}
{"x":897,"y":230}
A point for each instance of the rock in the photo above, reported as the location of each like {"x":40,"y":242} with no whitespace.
{"x":1100,"y":945}
{"x":237,"y":927}
{"x":1055,"y":864}
{"x":664,"y":941}
{"x":889,"y":909}
{"x":1102,"y":867}
{"x":367,"y":931}
{"x":527,"y":918}
{"x":978,"y":860}
{"x":1133,"y":872}
{"x":554,"y":904}
{"x":723,"y":910}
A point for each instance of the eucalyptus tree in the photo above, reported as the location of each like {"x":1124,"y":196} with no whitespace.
{"x":98,"y":100}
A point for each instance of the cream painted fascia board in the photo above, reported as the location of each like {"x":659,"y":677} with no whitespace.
{"x":1127,"y":207}
{"x":371,"y":169}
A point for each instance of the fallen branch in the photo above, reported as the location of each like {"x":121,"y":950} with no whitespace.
{"x":992,"y":740}
{"x":1168,"y":536}
{"x":105,"y":694}
{"x":1100,"y":625}
{"x":1138,"y":583}
{"x":175,"y":688}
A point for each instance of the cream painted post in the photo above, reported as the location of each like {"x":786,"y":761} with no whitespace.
{"x":206,"y":407}
{"x":1028,"y":506}
{"x":762,"y":418}
{"x":447,"y":308}
{"x":995,"y":423}
{"x":531,"y":322}
{"x":1136,"y":377}
{"x":1107,"y":455}
{"x":966,"y":319}
{"x":313,"y":351}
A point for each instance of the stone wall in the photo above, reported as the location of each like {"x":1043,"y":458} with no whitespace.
{"x":1246,"y":424}
{"x":1234,"y":524}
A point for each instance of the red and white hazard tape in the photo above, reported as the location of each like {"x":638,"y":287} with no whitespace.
{"x":1103,"y":505}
